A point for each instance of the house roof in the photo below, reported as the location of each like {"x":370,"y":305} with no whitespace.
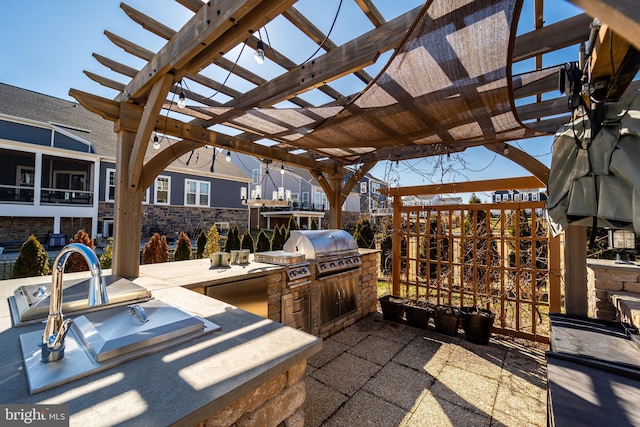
{"x":77,"y":120}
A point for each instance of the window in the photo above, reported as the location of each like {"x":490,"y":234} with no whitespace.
{"x":363,"y":188}
{"x":162,"y":189}
{"x":305,"y":198}
{"x":25,"y":176}
{"x":498,"y":197}
{"x":535,"y":197}
{"x":196,"y":193}
{"x":70,"y":180}
{"x":110,"y":191}
{"x":107,"y":228}
{"x":255,"y":176}
{"x":325,"y":205}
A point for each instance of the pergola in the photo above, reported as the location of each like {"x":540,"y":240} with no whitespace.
{"x":447,"y":86}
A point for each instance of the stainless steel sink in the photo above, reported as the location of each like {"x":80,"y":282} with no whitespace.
{"x":103,"y":339}
{"x":30,"y":304}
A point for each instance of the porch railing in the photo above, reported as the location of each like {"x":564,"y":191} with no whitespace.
{"x":16,"y":194}
{"x":66,"y":197}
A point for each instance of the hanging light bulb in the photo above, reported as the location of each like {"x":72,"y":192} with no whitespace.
{"x":282,"y":169}
{"x":228,"y":156}
{"x":506,"y":149}
{"x":181,"y":101}
{"x":397,"y":163}
{"x":259,"y":55}
{"x":156,"y":142}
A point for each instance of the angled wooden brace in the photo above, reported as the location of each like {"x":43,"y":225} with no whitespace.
{"x":157,"y":96}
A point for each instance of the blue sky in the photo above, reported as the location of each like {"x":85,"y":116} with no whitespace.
{"x":48,"y":44}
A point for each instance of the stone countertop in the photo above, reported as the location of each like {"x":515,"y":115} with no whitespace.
{"x":180,"y":385}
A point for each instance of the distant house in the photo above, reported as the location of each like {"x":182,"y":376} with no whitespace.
{"x":273,"y":180}
{"x":59,"y":176}
{"x":430,"y":200}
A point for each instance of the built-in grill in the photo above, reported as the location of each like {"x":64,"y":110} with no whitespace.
{"x":334,"y":251}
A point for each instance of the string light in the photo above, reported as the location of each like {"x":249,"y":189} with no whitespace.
{"x":156,"y":141}
{"x":506,"y":149}
{"x":228,"y":156}
{"x":181,"y":98}
{"x":259,"y":55}
{"x":282,"y":169}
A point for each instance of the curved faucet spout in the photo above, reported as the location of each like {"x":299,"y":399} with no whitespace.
{"x":56,"y":327}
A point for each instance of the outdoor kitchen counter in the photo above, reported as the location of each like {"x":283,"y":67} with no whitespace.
{"x":181,"y":385}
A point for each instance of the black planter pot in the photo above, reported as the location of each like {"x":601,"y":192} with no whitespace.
{"x":445,"y":320}
{"x":477,"y":324}
{"x":418,"y":313}
{"x":392,"y":307}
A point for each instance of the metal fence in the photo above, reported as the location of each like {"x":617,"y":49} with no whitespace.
{"x":493,"y":256}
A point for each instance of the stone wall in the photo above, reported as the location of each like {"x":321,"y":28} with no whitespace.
{"x":170,"y":220}
{"x":605,"y":277}
{"x":16,"y":228}
{"x":272,"y":404}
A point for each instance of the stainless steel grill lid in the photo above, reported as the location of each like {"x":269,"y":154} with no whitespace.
{"x":316,"y":244}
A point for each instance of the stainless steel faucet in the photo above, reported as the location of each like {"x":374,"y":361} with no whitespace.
{"x":57,"y":327}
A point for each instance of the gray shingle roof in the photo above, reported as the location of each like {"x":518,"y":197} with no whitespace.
{"x":43,"y":108}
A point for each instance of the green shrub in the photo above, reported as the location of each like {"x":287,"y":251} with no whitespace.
{"x":156,"y":250}
{"x":183,"y":248}
{"x":292,"y":225}
{"x":201,"y":242}
{"x":263,"y":244}
{"x":212,"y":244}
{"x":247,"y":242}
{"x":233,"y":240}
{"x":277,"y":240}
{"x":107,"y":255}
{"x":32,"y":261}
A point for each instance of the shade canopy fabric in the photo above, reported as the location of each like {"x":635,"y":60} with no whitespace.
{"x":447,"y":87}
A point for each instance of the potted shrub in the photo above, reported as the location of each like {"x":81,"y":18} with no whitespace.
{"x":477,"y":324}
{"x":418,"y":313}
{"x":156,"y":250}
{"x":392,"y":307}
{"x":446,"y":319}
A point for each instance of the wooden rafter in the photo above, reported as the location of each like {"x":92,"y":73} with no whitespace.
{"x":110,"y":110}
{"x":201,"y":39}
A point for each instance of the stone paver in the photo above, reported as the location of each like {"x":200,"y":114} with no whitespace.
{"x":346,"y":373}
{"x":324,"y":403}
{"x":376,"y":349}
{"x":381,"y":373}
{"x":402,"y":386}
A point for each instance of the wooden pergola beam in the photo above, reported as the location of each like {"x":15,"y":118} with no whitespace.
{"x":556,"y":36}
{"x":623,"y":16}
{"x":110,"y":110}
{"x":211,"y":32}
{"x":465,"y":187}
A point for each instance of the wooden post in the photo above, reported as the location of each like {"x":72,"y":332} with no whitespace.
{"x":575,"y":270}
{"x":127,"y":222}
{"x":335,"y":201}
{"x":555,"y":291}
{"x":395,"y":244}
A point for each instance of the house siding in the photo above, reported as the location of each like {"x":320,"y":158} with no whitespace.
{"x":66,"y":143}
{"x":25,"y":133}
